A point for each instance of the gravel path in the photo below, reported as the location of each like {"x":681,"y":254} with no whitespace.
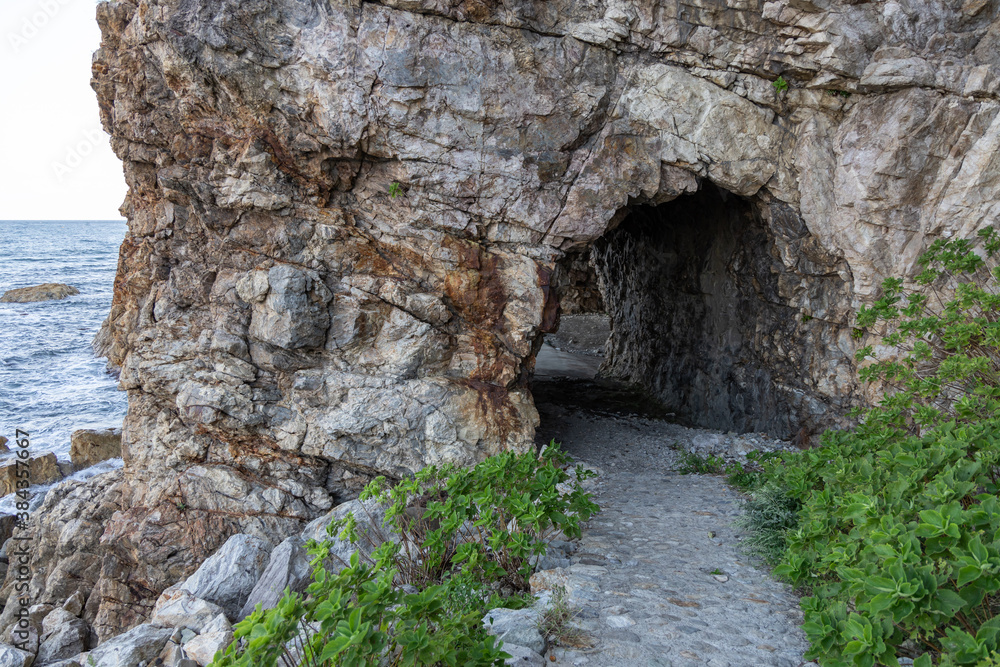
{"x":657,"y":578}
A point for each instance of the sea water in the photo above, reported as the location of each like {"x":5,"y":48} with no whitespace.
{"x":51,"y":384}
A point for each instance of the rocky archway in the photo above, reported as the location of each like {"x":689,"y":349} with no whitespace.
{"x":702,"y":317}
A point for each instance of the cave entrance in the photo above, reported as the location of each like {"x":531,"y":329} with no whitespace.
{"x":687,"y":296}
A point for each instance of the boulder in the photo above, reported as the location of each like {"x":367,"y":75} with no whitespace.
{"x":141,"y":643}
{"x":517,"y":626}
{"x":3,"y":445}
{"x":216,"y":637}
{"x":45,"y":292}
{"x":288,"y":567}
{"x":64,"y":635}
{"x":177,"y":608}
{"x":41,"y":470}
{"x":230,"y":574}
{"x":369,"y":516}
{"x":88,"y":447}
{"x":14,"y":657}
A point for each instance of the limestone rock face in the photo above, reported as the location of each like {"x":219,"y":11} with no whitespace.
{"x":351,"y":223}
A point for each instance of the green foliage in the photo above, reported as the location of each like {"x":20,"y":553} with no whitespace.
{"x":694,"y":464}
{"x":767,"y":517}
{"x":780,"y":85}
{"x":946,"y":365}
{"x":358,"y":617}
{"x":463,"y":538}
{"x":395,"y":190}
{"x":750,"y":475}
{"x":897,"y":535}
{"x":482,"y":524}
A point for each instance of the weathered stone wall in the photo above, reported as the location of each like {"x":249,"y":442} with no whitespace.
{"x":286,"y":326}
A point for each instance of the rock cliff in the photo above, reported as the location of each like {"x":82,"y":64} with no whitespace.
{"x":349,"y":223}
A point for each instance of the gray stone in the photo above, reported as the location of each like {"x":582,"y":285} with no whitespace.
{"x":216,"y":637}
{"x":230,"y":574}
{"x":518,"y":626}
{"x":63,"y":636}
{"x":288,"y":567}
{"x":74,"y":603}
{"x":369,"y":516}
{"x":143,"y":642}
{"x":13,"y":657}
{"x":177,"y":608}
{"x":520,"y":655}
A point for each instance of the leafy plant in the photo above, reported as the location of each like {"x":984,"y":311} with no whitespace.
{"x":780,"y":85}
{"x":750,"y":475}
{"x":464,"y":538}
{"x":395,"y":190}
{"x":482,"y":523}
{"x":897,"y":535}
{"x":358,"y":617}
{"x":944,"y":363}
{"x":694,"y":464}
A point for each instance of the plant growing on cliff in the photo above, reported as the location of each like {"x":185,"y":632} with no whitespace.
{"x":480,"y":524}
{"x":780,"y":85}
{"x":462,"y":536}
{"x":897,"y":535}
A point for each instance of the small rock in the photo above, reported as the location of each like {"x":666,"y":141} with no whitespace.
{"x":520,"y":655}
{"x":45,"y":292}
{"x":64,"y":635}
{"x":74,"y":603}
{"x":3,"y":444}
{"x":547,"y":580}
{"x":14,"y":657}
{"x":176,"y":608}
{"x":619,"y":621}
{"x":721,"y":578}
{"x":87,"y":447}
{"x":216,"y":637}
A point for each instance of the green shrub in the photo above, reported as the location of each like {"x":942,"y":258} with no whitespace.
{"x":897,"y":536}
{"x":465,"y":538}
{"x":767,"y":517}
{"x":483,"y":524}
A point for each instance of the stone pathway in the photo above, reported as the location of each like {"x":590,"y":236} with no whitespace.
{"x":657,"y":578}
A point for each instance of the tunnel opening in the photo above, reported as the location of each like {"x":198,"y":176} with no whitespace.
{"x":694,"y":325}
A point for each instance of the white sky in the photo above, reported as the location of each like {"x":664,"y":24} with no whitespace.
{"x":55,"y":159}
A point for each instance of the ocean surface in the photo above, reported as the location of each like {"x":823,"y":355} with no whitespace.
{"x":51,"y":384}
